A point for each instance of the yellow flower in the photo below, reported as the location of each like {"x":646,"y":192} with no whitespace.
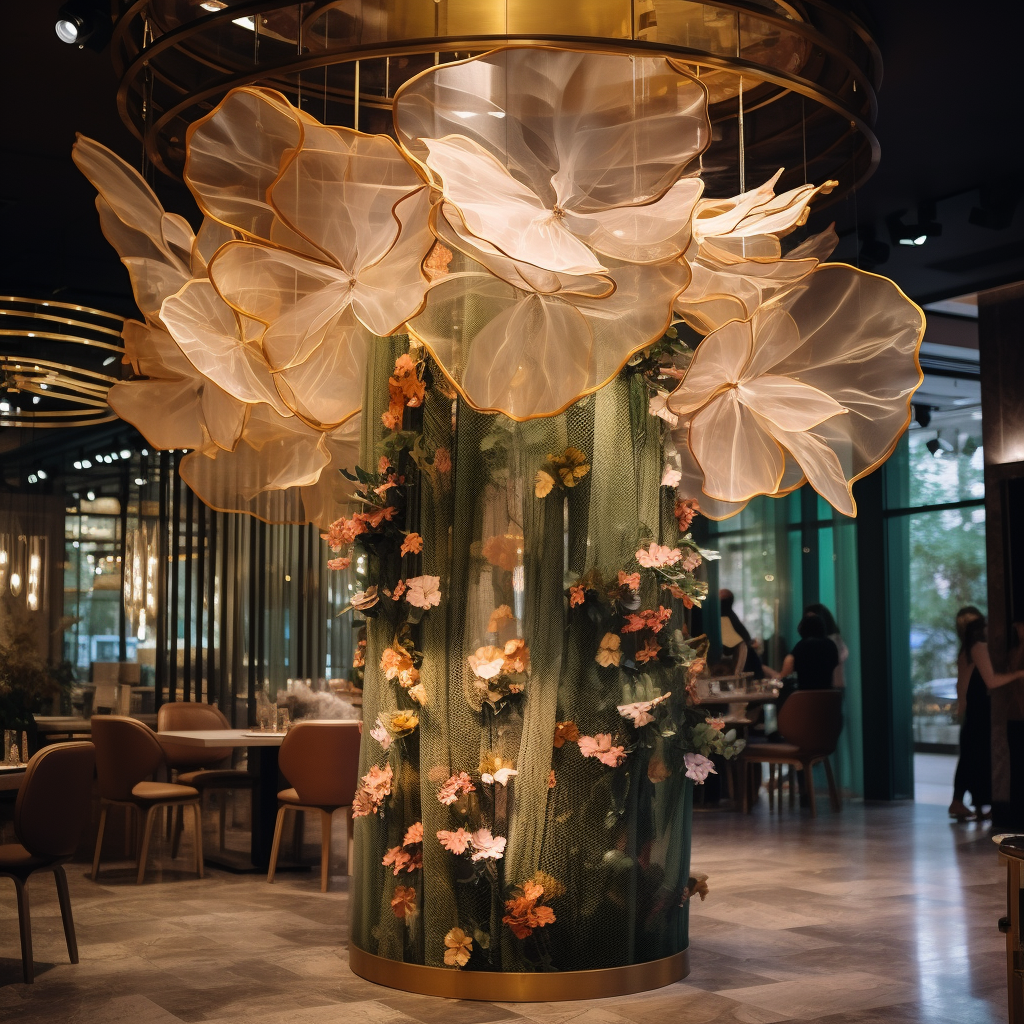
{"x":459,"y":948}
{"x":543,"y":482}
{"x":608,"y":652}
{"x":572,"y":466}
{"x":403,"y":723}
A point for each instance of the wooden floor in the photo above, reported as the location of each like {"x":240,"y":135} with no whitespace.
{"x":878,"y":914}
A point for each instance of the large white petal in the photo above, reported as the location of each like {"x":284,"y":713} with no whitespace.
{"x":786,"y":403}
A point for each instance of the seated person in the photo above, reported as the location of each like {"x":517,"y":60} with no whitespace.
{"x":815,"y":657}
{"x":737,"y":642}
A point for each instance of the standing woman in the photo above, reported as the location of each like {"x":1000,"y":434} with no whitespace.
{"x":832,"y":632}
{"x":975,"y":677}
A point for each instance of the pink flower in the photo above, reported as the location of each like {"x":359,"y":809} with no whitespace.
{"x":380,"y":734}
{"x":600,"y":746}
{"x":383,"y":464}
{"x":455,"y":787}
{"x":424,"y":591}
{"x":671,"y":477}
{"x":691,"y":561}
{"x":718,"y":724}
{"x":486,"y":846}
{"x":456,"y":842}
{"x":414,"y":834}
{"x":442,"y":460}
{"x":338,"y":563}
{"x":399,"y":590}
{"x":629,"y":579}
{"x":698,"y":767}
{"x":397,"y":857}
{"x":639,"y":711}
{"x":390,"y":420}
{"x":412,"y":543}
{"x":658,"y":555}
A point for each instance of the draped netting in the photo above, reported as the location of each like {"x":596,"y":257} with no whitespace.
{"x":611,"y":839}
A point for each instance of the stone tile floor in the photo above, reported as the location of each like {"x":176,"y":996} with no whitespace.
{"x":883,"y":913}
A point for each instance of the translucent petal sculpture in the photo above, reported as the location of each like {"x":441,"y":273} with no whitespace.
{"x":823,"y":374}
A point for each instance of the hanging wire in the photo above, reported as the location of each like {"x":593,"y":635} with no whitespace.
{"x":355,"y":117}
{"x":743,"y":152}
{"x":803,"y":132}
{"x":298,"y":53}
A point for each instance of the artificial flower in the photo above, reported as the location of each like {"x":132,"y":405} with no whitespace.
{"x":380,"y":733}
{"x":338,"y":563}
{"x":413,"y":544}
{"x":382,"y":490}
{"x":577,"y":595}
{"x":487,"y":662}
{"x":524,"y":913}
{"x":697,"y":885}
{"x":565,"y":732}
{"x":455,"y":787}
{"x":516,"y":656}
{"x":424,"y":591}
{"x":600,"y":746}
{"x":551,"y":779}
{"x":399,"y":859}
{"x":658,"y":407}
{"x":364,"y":599}
{"x":359,"y":657}
{"x":394,"y":660}
{"x":486,"y":846}
{"x":390,"y":420}
{"x":458,"y":947}
{"x":609,"y":651}
{"x":456,"y":842}
{"x":502,"y":613}
{"x":542,"y":483}
{"x":685,"y":510}
{"x":503,"y":551}
{"x":648,"y":652}
{"x":657,"y":770}
{"x":690,"y":561}
{"x":403,"y":723}
{"x":679,"y":594}
{"x":383,"y":464}
{"x":399,"y":590}
{"x":572,"y":466}
{"x":499,"y":778}
{"x":418,"y":694}
{"x":374,"y":788}
{"x":718,"y":724}
{"x":629,"y":579}
{"x":403,"y":902}
{"x":657,"y":556}
{"x":640,"y":711}
{"x":436,"y":263}
{"x":698,"y":767}
{"x":414,"y":834}
{"x":670,"y":477}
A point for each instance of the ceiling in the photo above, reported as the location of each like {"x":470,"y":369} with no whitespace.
{"x":945,"y":126}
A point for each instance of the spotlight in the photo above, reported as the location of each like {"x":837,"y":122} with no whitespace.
{"x":78,"y":464}
{"x":42,"y":474}
{"x":91,"y":495}
{"x":922,"y":415}
{"x":84,"y":23}
{"x":139,"y":481}
{"x":86,"y":464}
{"x":109,"y":360}
{"x":145,"y":451}
{"x":914,"y":234}
{"x":125,"y":453}
{"x":33,"y":479}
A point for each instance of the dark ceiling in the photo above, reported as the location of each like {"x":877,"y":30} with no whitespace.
{"x":948,"y":126}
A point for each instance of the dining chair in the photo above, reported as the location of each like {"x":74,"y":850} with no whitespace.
{"x":810,"y":723}
{"x":321,"y":761}
{"x":127,"y":754}
{"x":51,"y":810}
{"x":198,"y":766}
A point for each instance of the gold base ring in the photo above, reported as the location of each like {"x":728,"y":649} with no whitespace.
{"x":516,"y":987}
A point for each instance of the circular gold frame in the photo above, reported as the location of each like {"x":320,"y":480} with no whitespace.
{"x":519,"y":987}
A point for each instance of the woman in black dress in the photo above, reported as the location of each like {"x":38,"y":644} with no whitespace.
{"x":975,"y":677}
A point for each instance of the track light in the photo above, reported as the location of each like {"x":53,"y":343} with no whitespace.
{"x":91,"y":495}
{"x":126,"y":453}
{"x":84,"y":23}
{"x":917,"y":233}
{"x":922,"y":415}
{"x":42,"y":474}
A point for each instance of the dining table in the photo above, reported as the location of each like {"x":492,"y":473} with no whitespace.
{"x":262,"y":764}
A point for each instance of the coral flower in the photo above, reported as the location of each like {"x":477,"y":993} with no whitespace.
{"x":685,"y":510}
{"x":459,"y":948}
{"x":502,"y":613}
{"x":457,"y":842}
{"x":648,"y":652}
{"x":629,"y":579}
{"x":443,"y":460}
{"x":455,"y":787}
{"x":414,"y":834}
{"x":398,"y":858}
{"x":600,"y":746}
{"x":657,"y":556}
{"x":338,"y":563}
{"x":577,"y":595}
{"x":413,"y":543}
{"x":502,"y":551}
{"x":403,"y":902}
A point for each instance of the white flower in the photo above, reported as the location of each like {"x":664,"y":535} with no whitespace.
{"x":486,"y":846}
{"x":671,"y":477}
{"x":501,"y":776}
{"x":658,"y":406}
{"x":424,"y":591}
{"x":380,"y":733}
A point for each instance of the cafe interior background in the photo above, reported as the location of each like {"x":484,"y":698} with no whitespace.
{"x":140,"y":567}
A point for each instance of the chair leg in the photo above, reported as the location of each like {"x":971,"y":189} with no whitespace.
{"x":179,"y":827}
{"x":809,"y":783}
{"x":131,"y":826}
{"x":834,"y":796}
{"x":222,"y":820}
{"x":793,"y":785}
{"x":144,"y":849}
{"x":64,"y":897}
{"x":197,"y":812}
{"x":278,"y":829}
{"x":325,"y":849}
{"x":99,"y":842}
{"x":771,"y":787}
{"x":25,"y":926}
{"x":298,"y":834}
{"x":350,"y":837}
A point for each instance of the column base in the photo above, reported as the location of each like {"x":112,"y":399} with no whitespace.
{"x":498,"y":986}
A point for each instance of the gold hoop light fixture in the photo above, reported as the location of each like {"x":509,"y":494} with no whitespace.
{"x":792,"y":82}
{"x":57,"y":362}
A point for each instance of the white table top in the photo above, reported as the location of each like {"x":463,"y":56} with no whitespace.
{"x":223,"y":738}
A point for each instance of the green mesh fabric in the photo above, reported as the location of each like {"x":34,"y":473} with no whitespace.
{"x":617,"y":841}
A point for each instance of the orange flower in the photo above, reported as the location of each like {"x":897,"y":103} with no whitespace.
{"x":517,"y":656}
{"x":374,"y":519}
{"x":648,"y":652}
{"x":394,"y":660}
{"x":399,"y":590}
{"x":339,"y":563}
{"x":608,"y":651}
{"x":524,"y":914}
{"x":629,"y":579}
{"x":565,"y":732}
{"x":577,"y":595}
{"x":443,"y":460}
{"x":435,"y":266}
{"x":459,"y":946}
{"x":685,"y":510}
{"x":413,"y":543}
{"x":502,"y":551}
{"x":551,"y":779}
{"x":390,"y":420}
{"x":500,"y":614}
{"x":383,"y":464}
{"x":403,"y":902}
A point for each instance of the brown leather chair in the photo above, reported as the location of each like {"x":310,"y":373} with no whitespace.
{"x":127,"y":754}
{"x":197,"y":766}
{"x":810,"y":723}
{"x":321,"y":761}
{"x":50,"y":813}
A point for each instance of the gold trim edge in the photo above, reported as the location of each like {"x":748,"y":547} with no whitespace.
{"x":519,"y":987}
